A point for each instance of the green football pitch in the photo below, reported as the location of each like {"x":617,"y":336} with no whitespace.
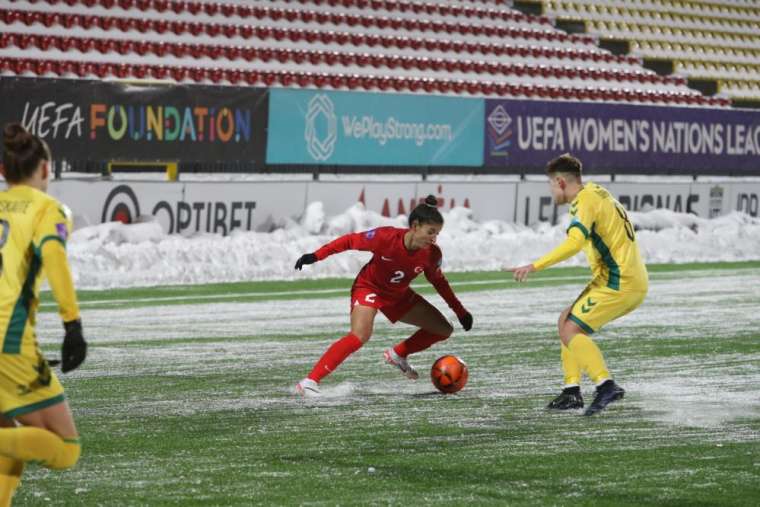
{"x":187,"y":399}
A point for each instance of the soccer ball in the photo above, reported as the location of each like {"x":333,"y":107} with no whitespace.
{"x":449,"y":374}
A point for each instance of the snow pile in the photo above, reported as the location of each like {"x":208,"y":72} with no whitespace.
{"x":117,"y":255}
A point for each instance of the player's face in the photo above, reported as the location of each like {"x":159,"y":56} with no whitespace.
{"x":425,"y":234}
{"x":557,"y":187}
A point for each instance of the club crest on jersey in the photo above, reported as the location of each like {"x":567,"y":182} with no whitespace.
{"x":370,"y":234}
{"x":418,"y":269}
{"x":62,"y":231}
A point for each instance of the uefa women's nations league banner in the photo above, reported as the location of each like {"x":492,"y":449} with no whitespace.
{"x":622,"y":138}
{"x":373,"y":129}
{"x":103,"y":121}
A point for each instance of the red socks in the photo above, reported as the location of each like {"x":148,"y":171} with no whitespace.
{"x":335,"y":354}
{"x":418,"y":341}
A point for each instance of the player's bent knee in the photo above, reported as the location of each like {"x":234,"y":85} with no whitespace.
{"x":67,"y":458}
{"x":447,"y":331}
{"x":364,"y":337}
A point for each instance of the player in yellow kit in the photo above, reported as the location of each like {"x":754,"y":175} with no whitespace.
{"x":36,"y":423}
{"x":600,"y":227}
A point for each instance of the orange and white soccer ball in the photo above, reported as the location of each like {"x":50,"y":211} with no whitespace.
{"x":449,"y":374}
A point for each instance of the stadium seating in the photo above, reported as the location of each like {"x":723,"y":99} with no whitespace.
{"x":481,"y":48}
{"x":702,"y":41}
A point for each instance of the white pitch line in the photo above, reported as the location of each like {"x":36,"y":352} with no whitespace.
{"x":280,"y":293}
{"x":85,"y":304}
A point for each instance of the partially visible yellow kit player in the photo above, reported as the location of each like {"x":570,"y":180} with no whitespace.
{"x":35,"y":422}
{"x":600,"y":227}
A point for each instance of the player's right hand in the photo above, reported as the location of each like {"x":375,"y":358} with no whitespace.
{"x":521,"y":273}
{"x":74,"y":348}
{"x":308,"y":258}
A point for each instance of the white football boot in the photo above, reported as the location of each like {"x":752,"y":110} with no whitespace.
{"x":308,"y":388}
{"x":401,"y":363}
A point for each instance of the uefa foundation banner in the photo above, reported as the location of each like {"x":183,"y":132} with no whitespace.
{"x":524,"y":135}
{"x":95,"y":120}
{"x":373,"y":129}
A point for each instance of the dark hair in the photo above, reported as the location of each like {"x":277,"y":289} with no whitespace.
{"x":426,"y":212}
{"x":22,"y":153}
{"x":565,"y":163}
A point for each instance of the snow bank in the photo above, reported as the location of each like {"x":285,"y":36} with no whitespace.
{"x":117,"y":255}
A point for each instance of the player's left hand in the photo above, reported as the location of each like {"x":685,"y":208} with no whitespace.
{"x":74,"y":348}
{"x":521,"y":273}
{"x":466,"y":321}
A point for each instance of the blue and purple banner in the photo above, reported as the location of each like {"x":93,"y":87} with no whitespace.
{"x":524,"y":135}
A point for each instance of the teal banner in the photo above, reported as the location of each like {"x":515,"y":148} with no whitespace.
{"x":373,"y":129}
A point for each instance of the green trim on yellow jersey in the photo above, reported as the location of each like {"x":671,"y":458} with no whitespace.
{"x":27,"y":409}
{"x":614,"y":278}
{"x":576,"y":223}
{"x":48,"y":238}
{"x":581,"y":324}
{"x":17,"y":322}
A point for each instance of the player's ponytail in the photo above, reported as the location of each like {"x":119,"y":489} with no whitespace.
{"x":426,"y":212}
{"x":22,"y":153}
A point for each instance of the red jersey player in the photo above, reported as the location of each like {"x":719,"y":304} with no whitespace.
{"x":399,"y":255}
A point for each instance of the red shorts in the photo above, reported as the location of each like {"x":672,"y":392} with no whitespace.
{"x":393,"y":308}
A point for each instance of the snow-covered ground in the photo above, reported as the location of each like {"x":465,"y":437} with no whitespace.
{"x":116,"y":255}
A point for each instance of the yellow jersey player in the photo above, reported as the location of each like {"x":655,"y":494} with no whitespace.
{"x":36,"y":423}
{"x":599,"y":225}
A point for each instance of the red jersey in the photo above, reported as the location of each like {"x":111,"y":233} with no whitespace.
{"x":393,"y":267}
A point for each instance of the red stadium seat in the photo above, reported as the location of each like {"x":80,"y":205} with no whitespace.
{"x":211,"y":8}
{"x":303,"y":79}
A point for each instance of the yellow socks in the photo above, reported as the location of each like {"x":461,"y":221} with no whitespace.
{"x":570,"y":367}
{"x":35,"y":444}
{"x":588,"y":357}
{"x":10,"y":476}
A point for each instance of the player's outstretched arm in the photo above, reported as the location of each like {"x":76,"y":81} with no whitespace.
{"x":308,"y":258}
{"x":571,"y":246}
{"x":367,"y":241}
{"x":437,"y":279}
{"x":74,"y":348}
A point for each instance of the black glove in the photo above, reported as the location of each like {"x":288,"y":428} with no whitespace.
{"x":306,"y":259}
{"x":74,"y":348}
{"x":466,"y":321}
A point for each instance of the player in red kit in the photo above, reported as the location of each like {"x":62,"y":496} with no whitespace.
{"x":399,"y":255}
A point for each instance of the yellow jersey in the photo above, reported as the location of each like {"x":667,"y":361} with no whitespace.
{"x":34,"y":228}
{"x":599,"y":225}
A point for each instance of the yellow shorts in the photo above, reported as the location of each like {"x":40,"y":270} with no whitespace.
{"x":27,"y":384}
{"x":598,"y":304}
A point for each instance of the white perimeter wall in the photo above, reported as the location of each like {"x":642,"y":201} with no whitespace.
{"x":222,"y":207}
